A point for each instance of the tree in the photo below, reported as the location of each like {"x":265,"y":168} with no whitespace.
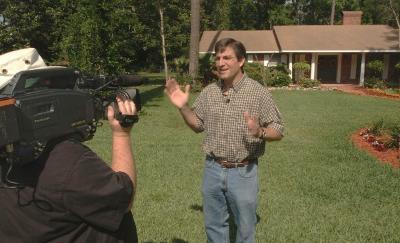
{"x":28,"y":24}
{"x":333,"y":12}
{"x":194,"y":39}
{"x":396,"y":17}
{"x":160,"y":9}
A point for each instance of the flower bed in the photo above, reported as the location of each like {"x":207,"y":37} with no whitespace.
{"x":377,"y":146}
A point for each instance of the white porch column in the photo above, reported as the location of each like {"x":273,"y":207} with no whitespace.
{"x":250,"y":58}
{"x":291,"y":65}
{"x":312,"y":74}
{"x":386,"y":60}
{"x":339,"y":68}
{"x":266,"y":60}
{"x":362,"y":71}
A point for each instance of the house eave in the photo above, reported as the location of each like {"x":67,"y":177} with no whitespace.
{"x":247,"y":52}
{"x":338,"y":51}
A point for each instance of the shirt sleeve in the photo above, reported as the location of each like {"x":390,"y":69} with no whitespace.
{"x":96,"y":193}
{"x":199,"y":110}
{"x":270,"y":115}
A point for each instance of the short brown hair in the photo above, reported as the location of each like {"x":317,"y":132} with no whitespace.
{"x":237,"y":46}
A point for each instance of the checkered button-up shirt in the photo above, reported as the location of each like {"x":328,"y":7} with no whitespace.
{"x":222,"y":118}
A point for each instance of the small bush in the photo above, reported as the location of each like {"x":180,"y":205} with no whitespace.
{"x":207,"y":69}
{"x":300,"y":69}
{"x":278,"y":78}
{"x":308,"y":83}
{"x":388,"y":133}
{"x":375,"y":68}
{"x":375,"y":83}
{"x":180,"y":65}
{"x":257,"y":72}
{"x":183,"y":78}
{"x":377,"y":128}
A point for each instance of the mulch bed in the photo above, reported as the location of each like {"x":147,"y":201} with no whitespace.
{"x":389,"y":156}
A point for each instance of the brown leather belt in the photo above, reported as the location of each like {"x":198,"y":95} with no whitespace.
{"x":230,"y":164}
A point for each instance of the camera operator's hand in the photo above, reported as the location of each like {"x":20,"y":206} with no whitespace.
{"x":126,"y":107}
{"x":122,"y":156}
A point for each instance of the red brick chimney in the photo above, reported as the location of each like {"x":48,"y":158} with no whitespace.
{"x":352,"y":17}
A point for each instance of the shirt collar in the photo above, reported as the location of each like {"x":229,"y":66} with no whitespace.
{"x":237,"y":85}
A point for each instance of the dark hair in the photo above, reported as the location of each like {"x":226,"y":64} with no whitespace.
{"x":237,"y":46}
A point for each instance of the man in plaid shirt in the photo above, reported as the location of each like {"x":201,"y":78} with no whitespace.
{"x":238,"y":116}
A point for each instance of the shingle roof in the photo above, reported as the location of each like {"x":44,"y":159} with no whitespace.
{"x":310,"y":38}
{"x":255,"y":41}
{"x":340,"y":38}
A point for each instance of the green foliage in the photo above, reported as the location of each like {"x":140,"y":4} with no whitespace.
{"x":375,"y":68}
{"x":207,"y":69}
{"x":301,"y":66}
{"x":120,"y":36}
{"x":309,"y":83}
{"x":389,"y":130}
{"x":181,"y":65}
{"x":278,"y":76}
{"x":300,"y":69}
{"x":375,"y":83}
{"x":377,"y":127}
{"x":397,"y":66}
{"x":257,"y":72}
{"x":183,"y":78}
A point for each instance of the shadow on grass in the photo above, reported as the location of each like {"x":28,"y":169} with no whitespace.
{"x":148,"y":95}
{"x":174,"y":240}
{"x":196,"y":207}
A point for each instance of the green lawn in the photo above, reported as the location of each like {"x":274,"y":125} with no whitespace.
{"x":315,"y":186}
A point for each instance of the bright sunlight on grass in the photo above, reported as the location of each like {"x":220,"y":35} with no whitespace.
{"x":315,"y":186}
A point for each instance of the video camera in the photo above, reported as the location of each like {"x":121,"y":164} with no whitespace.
{"x":40,"y":105}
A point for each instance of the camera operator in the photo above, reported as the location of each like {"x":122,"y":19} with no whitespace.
{"x":71,"y":195}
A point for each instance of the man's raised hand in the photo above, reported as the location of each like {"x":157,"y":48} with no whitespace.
{"x":175,"y":94}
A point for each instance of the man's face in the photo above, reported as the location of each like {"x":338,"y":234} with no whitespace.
{"x":228,"y":66}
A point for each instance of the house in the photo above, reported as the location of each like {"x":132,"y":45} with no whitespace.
{"x":336,"y":53}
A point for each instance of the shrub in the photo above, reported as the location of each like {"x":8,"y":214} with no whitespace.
{"x":387,"y":133}
{"x":375,"y":83}
{"x":181,"y":65}
{"x":308,"y":83}
{"x":183,"y":78}
{"x":376,"y":128}
{"x":257,"y":72}
{"x":375,"y":68}
{"x":278,"y":78}
{"x":207,"y":69}
{"x":300,"y":69}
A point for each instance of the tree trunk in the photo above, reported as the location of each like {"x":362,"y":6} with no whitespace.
{"x":333,"y":12}
{"x":396,"y":16}
{"x":163,"y":42}
{"x":194,"y":39}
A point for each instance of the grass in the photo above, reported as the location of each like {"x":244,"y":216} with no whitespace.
{"x":315,"y":186}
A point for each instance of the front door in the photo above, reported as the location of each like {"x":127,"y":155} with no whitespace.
{"x":327,"y":65}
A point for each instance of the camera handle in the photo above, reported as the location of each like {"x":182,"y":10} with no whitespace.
{"x":4,"y":181}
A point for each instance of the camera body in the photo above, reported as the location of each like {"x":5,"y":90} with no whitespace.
{"x":40,"y":105}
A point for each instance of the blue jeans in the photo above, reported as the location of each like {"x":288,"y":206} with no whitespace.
{"x":233,"y":189}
